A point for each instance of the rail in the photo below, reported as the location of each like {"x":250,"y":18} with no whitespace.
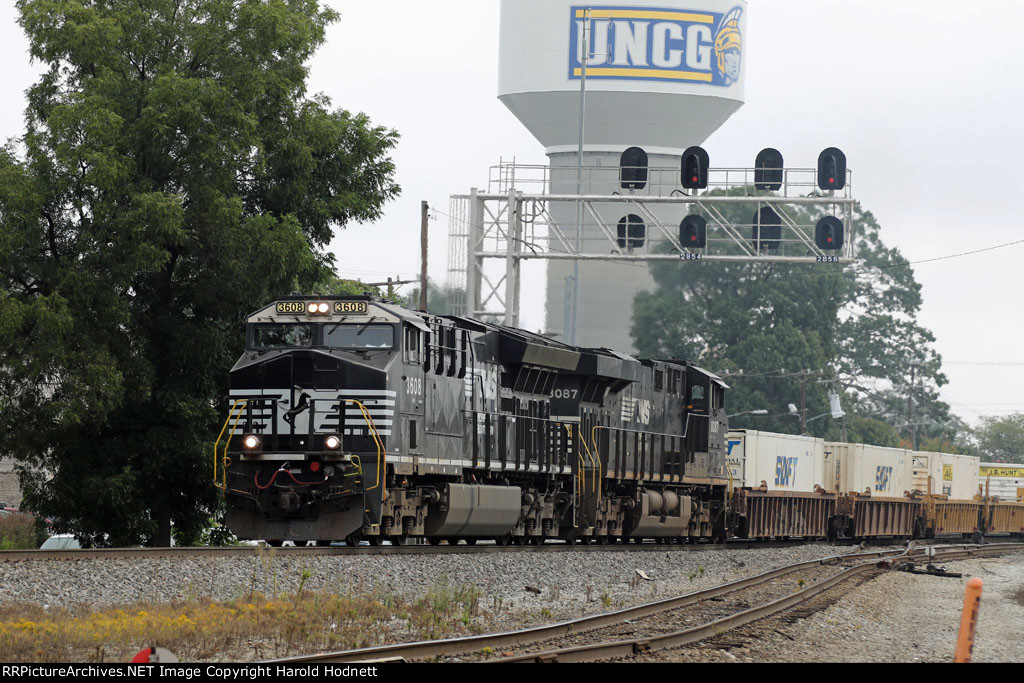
{"x":475,"y":644}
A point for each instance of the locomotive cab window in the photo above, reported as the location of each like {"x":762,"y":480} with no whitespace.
{"x":269,"y":337}
{"x":411,"y":344}
{"x":360,"y":336}
{"x":698,"y":397}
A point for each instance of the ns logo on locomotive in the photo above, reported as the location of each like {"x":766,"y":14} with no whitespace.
{"x":356,"y":419}
{"x":683,"y":46}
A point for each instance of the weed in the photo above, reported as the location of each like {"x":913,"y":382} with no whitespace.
{"x":606,"y":599}
{"x":18,"y":532}
{"x":254,"y":626}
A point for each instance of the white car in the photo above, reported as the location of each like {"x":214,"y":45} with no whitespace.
{"x":60,"y":542}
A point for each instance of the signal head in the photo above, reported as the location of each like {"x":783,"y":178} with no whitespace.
{"x":832,"y":170}
{"x":696,"y":165}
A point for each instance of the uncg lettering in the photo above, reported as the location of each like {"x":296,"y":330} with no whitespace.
{"x":785,"y":471}
{"x":648,"y":44}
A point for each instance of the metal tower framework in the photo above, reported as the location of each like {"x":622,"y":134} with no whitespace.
{"x":519,"y":219}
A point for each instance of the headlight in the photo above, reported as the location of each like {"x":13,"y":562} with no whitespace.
{"x":332,"y":443}
{"x":324,"y":309}
{"x":251,"y":443}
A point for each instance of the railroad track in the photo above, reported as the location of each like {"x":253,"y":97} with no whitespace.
{"x":244,"y":551}
{"x":631,"y":632}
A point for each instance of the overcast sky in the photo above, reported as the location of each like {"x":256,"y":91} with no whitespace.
{"x":925,"y":97}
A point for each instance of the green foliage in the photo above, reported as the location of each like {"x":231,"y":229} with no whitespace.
{"x":173,"y":177}
{"x":340,"y":287}
{"x":1001,"y":439}
{"x":853,"y":329}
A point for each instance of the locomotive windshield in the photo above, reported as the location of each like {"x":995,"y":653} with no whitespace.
{"x":360,"y":336}
{"x":282,"y":337}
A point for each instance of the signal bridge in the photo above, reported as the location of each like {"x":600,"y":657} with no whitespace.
{"x":530,"y":213}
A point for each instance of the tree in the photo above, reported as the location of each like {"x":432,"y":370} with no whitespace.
{"x":1001,"y":439}
{"x":173,"y":177}
{"x":792,"y":333}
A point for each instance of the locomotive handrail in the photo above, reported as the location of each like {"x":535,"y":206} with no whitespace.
{"x":581,"y":481}
{"x":597,"y":451}
{"x":381,"y":451}
{"x":597,"y":465}
{"x":216,"y":446}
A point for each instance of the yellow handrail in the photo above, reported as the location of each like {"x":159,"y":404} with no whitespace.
{"x":381,"y":451}
{"x":223,"y":483}
{"x":590,"y":456}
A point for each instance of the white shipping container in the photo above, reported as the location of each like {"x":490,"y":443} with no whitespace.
{"x":955,"y":476}
{"x":857,"y":468}
{"x":1005,"y":481}
{"x":783,"y":461}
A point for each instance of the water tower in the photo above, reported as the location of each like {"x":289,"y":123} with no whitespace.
{"x":662,"y":75}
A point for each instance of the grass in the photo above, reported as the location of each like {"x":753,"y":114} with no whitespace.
{"x":251,"y":627}
{"x":19,"y":532}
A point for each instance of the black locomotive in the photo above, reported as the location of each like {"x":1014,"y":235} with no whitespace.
{"x":354,"y":418}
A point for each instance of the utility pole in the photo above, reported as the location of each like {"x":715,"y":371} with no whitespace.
{"x":575,"y":304}
{"x":803,"y":377}
{"x":424,"y":245}
{"x":391,"y":284}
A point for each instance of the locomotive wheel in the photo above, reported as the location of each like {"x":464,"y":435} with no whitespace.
{"x":275,"y":544}
{"x":612,"y":539}
{"x":470,"y":541}
{"x":503,"y":541}
{"x":433,"y":540}
{"x":323,"y":544}
{"x":536,"y":540}
{"x":398,"y":540}
{"x":518,"y":540}
{"x":375,"y":541}
{"x":453,"y":541}
{"x":601,"y":540}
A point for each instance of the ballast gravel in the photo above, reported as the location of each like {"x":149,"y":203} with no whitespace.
{"x":894,"y":618}
{"x":516,"y":589}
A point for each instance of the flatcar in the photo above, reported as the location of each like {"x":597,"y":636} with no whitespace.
{"x":355,"y":419}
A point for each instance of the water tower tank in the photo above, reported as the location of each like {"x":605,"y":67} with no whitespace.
{"x":664,"y":75}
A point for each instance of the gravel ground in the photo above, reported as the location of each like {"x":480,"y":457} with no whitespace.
{"x":896,"y":617}
{"x":570,"y":584}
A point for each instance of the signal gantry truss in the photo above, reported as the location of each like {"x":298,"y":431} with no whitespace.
{"x":530,"y":213}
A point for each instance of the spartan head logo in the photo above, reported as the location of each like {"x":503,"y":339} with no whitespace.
{"x":729,"y":46}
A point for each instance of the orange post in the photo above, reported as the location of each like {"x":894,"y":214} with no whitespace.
{"x":969,"y":621}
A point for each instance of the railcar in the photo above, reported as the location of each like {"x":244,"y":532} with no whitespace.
{"x":356,"y":419}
